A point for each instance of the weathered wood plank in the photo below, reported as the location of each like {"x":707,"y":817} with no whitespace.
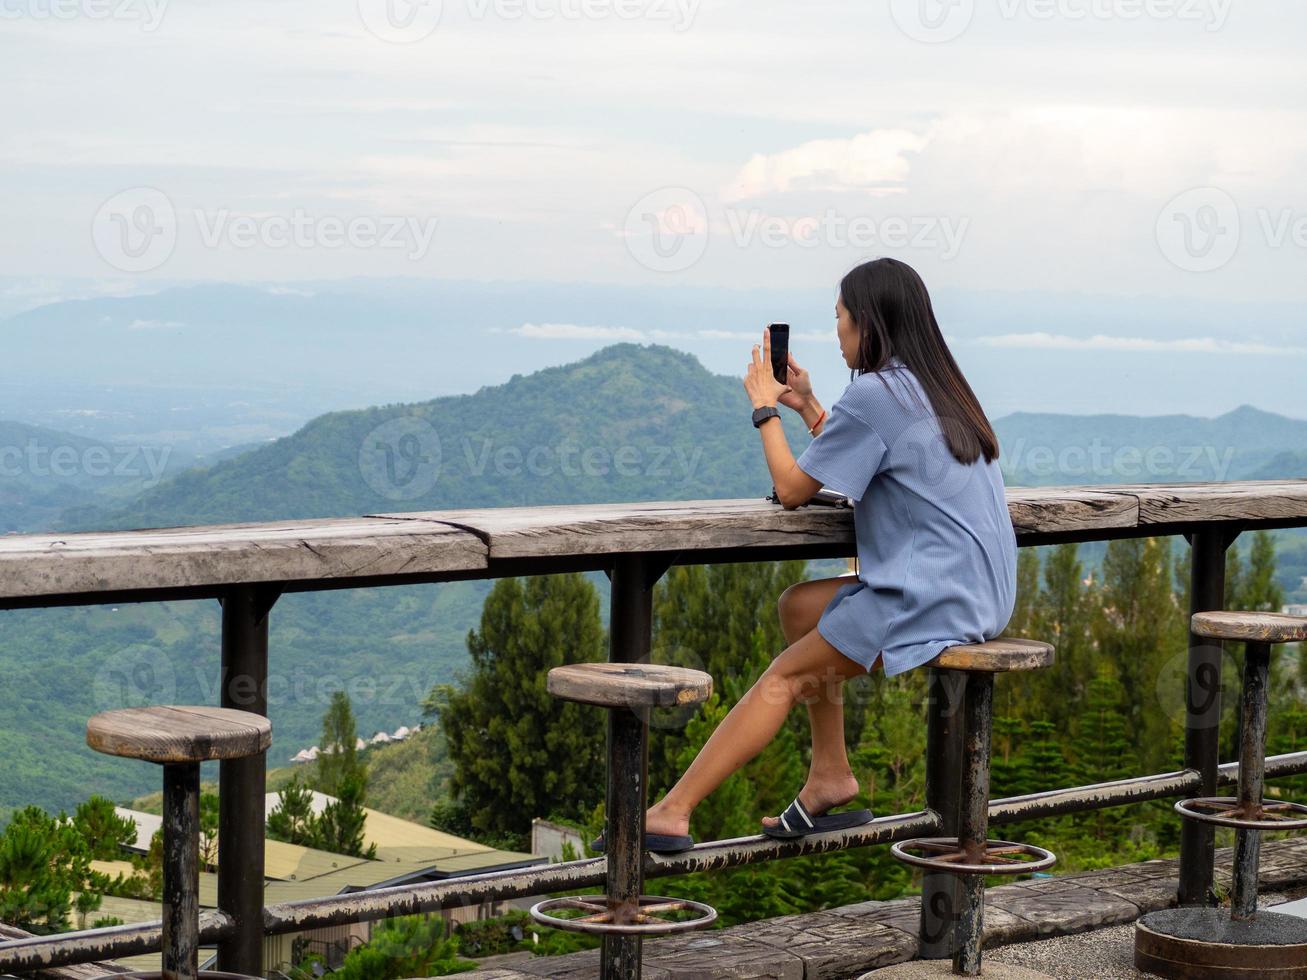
{"x":1061,"y":510}
{"x":1266,"y":627}
{"x":831,"y":946}
{"x":612,"y":685}
{"x":696,"y":525}
{"x":999,"y":655}
{"x":660,"y":525}
{"x":1235,"y":500}
{"x":189,"y":557}
{"x":179,"y":733}
{"x":457,"y":542}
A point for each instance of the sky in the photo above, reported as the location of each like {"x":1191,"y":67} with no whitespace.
{"x":1095,"y":148}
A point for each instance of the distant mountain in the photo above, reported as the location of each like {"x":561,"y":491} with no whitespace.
{"x":638,"y":422}
{"x":44,"y":472}
{"x":630,"y":422}
{"x":1284,"y":466}
{"x":1244,"y":444}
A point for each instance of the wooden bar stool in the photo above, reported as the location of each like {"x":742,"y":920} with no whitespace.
{"x":1201,"y":942}
{"x":179,"y":739}
{"x":623,"y":916}
{"x":970,"y":855}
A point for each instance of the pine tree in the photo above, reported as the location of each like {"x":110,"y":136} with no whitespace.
{"x":293,"y":820}
{"x":339,"y":828}
{"x":1258,"y":588}
{"x":338,"y":759}
{"x":1141,"y":628}
{"x":519,"y":752}
{"x":1040,"y":761}
{"x":1064,"y":620}
{"x":105,"y":833}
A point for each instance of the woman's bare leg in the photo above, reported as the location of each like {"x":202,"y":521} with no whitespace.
{"x":807,"y":668}
{"x":800,"y":607}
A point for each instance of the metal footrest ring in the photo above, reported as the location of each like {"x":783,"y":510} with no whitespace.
{"x":599,"y":915}
{"x":1225,"y":811}
{"x":994,"y":857}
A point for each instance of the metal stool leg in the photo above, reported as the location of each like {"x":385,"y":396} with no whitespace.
{"x":1252,"y":767}
{"x":628,"y":772}
{"x":939,"y":889}
{"x":181,"y":870}
{"x":973,"y":820}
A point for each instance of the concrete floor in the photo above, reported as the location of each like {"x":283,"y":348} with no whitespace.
{"x":1104,"y":954}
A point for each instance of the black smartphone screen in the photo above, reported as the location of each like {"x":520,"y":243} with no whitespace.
{"x":780,"y":351}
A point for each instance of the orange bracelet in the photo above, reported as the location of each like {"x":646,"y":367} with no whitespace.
{"x":818,"y":422}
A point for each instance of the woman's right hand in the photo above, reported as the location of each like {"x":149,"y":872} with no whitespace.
{"x":800,"y":387}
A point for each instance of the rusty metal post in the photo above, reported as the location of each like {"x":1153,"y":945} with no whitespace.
{"x":630,"y":640}
{"x":973,"y":821}
{"x":243,"y":782}
{"x":1252,"y":762}
{"x":181,"y":871}
{"x":1203,"y":709}
{"x":941,"y":891}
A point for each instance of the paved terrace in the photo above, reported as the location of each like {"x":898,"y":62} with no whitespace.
{"x":853,"y":940}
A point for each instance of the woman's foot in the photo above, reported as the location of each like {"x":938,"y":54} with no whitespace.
{"x":662,"y":819}
{"x":820,"y":794}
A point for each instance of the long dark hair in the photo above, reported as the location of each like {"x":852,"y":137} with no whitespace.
{"x":890,"y":304}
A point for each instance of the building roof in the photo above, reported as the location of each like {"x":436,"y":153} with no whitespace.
{"x":406,"y":851}
{"x":396,"y":838}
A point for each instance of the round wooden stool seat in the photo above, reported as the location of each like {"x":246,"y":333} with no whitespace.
{"x":169,"y":734}
{"x":996,"y":656}
{"x":1259,"y":627}
{"x":612,"y":685}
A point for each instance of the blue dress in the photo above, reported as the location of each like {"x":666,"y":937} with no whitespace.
{"x":937,"y":554}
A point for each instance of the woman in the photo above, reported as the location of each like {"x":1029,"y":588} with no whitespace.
{"x":910,"y":444}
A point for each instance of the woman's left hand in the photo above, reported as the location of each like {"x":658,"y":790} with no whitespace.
{"x":760,"y":382}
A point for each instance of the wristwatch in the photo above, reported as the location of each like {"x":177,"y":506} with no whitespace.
{"x":761,"y":415}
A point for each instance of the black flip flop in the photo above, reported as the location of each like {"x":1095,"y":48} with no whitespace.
{"x":796,"y":822}
{"x":658,"y":843}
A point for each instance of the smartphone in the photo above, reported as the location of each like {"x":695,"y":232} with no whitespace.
{"x":780,"y":351}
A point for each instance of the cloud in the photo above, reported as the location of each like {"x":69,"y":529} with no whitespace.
{"x":574,"y":331}
{"x":155,"y":325}
{"x":876,"y":162}
{"x":1102,"y":342}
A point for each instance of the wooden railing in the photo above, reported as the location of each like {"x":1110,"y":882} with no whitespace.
{"x":247,"y":567}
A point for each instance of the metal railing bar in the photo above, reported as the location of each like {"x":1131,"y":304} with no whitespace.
{"x":111,"y":942}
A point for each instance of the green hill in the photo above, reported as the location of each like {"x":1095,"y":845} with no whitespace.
{"x":45,"y":472}
{"x":629,"y":422}
{"x":404,"y":778}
